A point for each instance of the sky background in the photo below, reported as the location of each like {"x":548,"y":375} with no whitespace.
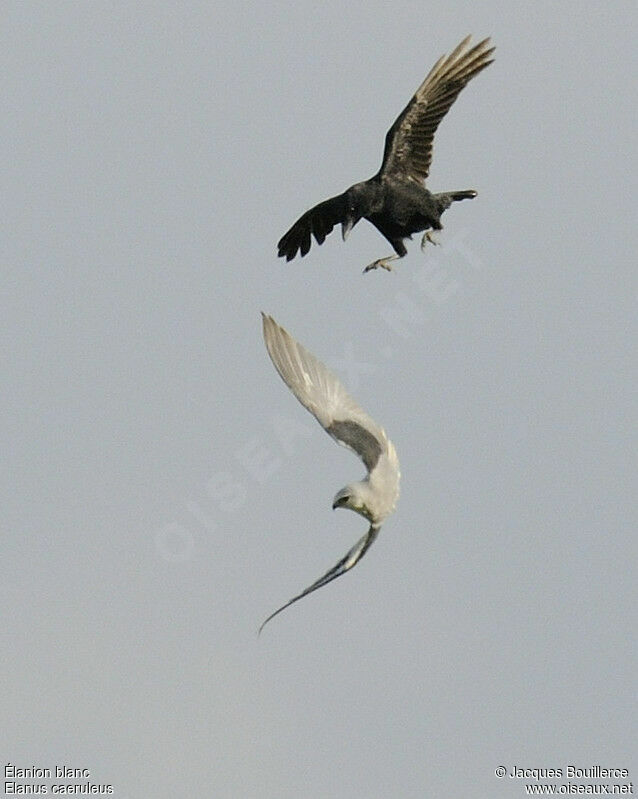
{"x":163,"y":492}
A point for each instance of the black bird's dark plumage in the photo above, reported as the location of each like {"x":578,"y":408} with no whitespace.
{"x":395,"y":200}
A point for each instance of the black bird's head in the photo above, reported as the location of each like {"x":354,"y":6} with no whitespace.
{"x":355,"y":208}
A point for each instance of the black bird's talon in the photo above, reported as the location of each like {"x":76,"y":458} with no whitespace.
{"x":427,"y":236}
{"x":381,"y":262}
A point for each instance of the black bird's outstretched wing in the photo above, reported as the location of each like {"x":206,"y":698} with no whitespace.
{"x":318,"y":221}
{"x":408,"y":143}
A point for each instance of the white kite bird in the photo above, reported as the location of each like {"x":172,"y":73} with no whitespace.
{"x":318,"y":390}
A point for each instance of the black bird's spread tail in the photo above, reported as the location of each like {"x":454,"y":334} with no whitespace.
{"x":446,"y":199}
{"x":469,"y":194}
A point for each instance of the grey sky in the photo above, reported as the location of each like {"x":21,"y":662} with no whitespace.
{"x":154,"y":511}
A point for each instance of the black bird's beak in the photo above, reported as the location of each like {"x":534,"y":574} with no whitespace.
{"x":346,"y":227}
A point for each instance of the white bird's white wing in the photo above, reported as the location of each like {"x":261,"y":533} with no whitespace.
{"x":323,"y":394}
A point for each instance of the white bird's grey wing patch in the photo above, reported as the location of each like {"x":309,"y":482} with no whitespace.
{"x":323,"y":394}
{"x":359,"y":439}
{"x":350,"y":559}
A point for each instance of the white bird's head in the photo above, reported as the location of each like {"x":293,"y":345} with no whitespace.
{"x":355,"y":497}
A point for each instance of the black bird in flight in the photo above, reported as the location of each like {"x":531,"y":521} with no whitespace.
{"x":395,"y":200}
